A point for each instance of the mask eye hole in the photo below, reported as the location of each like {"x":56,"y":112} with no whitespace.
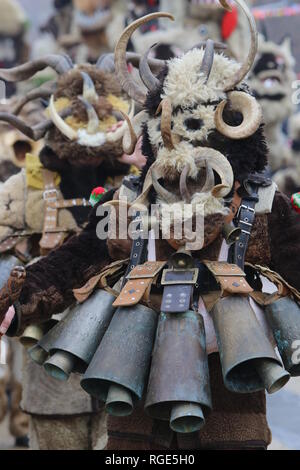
{"x":193,"y":124}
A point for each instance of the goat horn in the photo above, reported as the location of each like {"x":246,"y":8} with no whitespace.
{"x":250,"y":110}
{"x":89,"y":91}
{"x":133,"y":137}
{"x":185,"y":194}
{"x":130,"y":86}
{"x":58,"y":121}
{"x":106,"y":62}
{"x":93,"y":120}
{"x":137,"y":123}
{"x":208,"y":60}
{"x":161,"y":191}
{"x":220,"y":165}
{"x":147,"y":77}
{"x":246,"y":66}
{"x":165,"y":107}
{"x":59,"y":63}
{"x":44,"y":91}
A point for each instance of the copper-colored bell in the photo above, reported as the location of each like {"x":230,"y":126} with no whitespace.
{"x":249,"y":362}
{"x":34,"y":333}
{"x":182,"y":259}
{"x":231,"y":233}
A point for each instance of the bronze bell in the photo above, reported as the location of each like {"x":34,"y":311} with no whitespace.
{"x":119,"y":369}
{"x":249,"y":362}
{"x":231,"y":233}
{"x":34,"y":333}
{"x":182,"y":259}
{"x":40,"y":352}
{"x":77,"y":336}
{"x":178,"y":388}
{"x":283,"y":316}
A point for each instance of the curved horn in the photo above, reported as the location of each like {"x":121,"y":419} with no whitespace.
{"x":137,"y":123}
{"x":208,"y":60}
{"x":246,"y":66}
{"x":89,"y":91}
{"x":120,"y":132}
{"x":209,"y":180}
{"x":161,"y":191}
{"x":129,"y":149}
{"x":220,"y":165}
{"x":147,"y":77}
{"x":44,"y":91}
{"x":165,"y":107}
{"x":185,"y":193}
{"x":93,"y":120}
{"x":34,"y":133}
{"x":58,"y":121}
{"x":130,"y":86}
{"x":106,"y":62}
{"x":250,"y":110}
{"x":59,"y":63}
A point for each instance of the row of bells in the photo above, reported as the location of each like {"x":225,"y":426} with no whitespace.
{"x":126,"y":352}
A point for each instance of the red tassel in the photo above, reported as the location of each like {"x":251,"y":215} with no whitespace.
{"x":229,"y":23}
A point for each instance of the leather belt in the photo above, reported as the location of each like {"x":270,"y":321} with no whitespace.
{"x":53,"y":236}
{"x":244,"y":220}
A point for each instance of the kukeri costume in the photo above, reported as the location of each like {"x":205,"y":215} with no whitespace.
{"x":271,"y":80}
{"x":204,"y":144}
{"x":48,"y":200}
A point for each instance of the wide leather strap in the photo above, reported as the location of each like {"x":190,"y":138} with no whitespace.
{"x":53,"y":235}
{"x":139,"y":281}
{"x":283,"y":288}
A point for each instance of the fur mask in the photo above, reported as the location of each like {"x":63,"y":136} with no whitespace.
{"x":87,"y":114}
{"x":271,"y":79}
{"x":199,"y":117}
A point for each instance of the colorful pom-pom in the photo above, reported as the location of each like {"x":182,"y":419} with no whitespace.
{"x":296,"y":202}
{"x":96,"y":195}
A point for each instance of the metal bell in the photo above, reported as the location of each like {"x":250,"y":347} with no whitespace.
{"x":118,"y":372}
{"x":34,"y":333}
{"x":231,"y":233}
{"x":76,"y":337}
{"x":182,"y":259}
{"x":7,"y":263}
{"x":40,"y":352}
{"x":178,"y":388}
{"x":284,"y":318}
{"x":249,"y":362}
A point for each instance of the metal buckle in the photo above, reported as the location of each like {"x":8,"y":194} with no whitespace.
{"x":165,"y":282}
{"x":50,"y":195}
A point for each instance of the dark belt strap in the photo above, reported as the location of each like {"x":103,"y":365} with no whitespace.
{"x":138,"y":250}
{"x":244,"y":220}
{"x":178,"y":289}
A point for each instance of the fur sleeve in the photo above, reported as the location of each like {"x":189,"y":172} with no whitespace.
{"x":50,"y":282}
{"x":284,"y":236}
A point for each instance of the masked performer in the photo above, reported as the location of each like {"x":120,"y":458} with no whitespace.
{"x":271,"y":79}
{"x":47,"y":201}
{"x":205,"y":150}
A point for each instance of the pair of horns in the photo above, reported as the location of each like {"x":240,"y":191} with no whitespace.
{"x":137,"y":92}
{"x":207,"y":158}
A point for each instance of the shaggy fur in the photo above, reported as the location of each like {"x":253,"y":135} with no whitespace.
{"x":47,"y":284}
{"x":69,"y":86}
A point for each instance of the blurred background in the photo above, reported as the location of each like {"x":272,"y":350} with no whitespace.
{"x":86,"y":29}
